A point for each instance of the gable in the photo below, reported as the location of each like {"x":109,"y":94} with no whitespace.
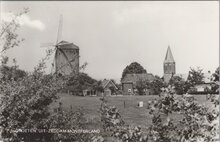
{"x":108,"y":83}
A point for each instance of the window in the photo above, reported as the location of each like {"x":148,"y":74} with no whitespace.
{"x":129,"y":90}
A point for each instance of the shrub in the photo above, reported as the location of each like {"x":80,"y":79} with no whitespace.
{"x":197,"y":122}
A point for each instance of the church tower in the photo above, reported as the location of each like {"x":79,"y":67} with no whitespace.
{"x":169,"y":66}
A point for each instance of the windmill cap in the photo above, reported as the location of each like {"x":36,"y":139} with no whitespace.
{"x":67,"y":45}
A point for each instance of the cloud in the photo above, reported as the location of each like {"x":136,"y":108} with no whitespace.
{"x":24,"y":20}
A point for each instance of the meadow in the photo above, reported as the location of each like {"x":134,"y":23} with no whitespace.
{"x":127,"y":105}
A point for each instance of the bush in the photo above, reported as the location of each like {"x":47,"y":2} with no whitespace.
{"x":198,"y":123}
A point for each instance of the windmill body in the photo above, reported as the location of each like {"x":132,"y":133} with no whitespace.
{"x":66,"y":58}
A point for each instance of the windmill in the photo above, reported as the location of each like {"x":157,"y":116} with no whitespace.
{"x":66,"y":59}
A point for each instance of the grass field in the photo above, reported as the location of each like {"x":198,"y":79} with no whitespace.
{"x":131,"y":113}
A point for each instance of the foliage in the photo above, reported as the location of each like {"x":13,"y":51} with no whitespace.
{"x":114,"y":125}
{"x":157,"y":84}
{"x":197,"y":123}
{"x":195,"y":77}
{"x":8,"y":35}
{"x":11,"y":73}
{"x":70,"y":120}
{"x":215,"y":86}
{"x":98,"y":86}
{"x":179,"y":84}
{"x":134,"y":67}
{"x":26,"y":99}
{"x":216,"y":74}
{"x":78,"y":83}
{"x":110,"y":116}
{"x":24,"y":103}
{"x":141,"y":86}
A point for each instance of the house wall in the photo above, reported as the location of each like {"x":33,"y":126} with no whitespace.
{"x":127,"y":88}
{"x":107,"y":92}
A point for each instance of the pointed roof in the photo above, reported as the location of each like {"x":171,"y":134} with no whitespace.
{"x":105,"y":82}
{"x":169,"y":56}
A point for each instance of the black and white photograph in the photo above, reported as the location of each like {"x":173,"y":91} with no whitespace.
{"x":109,"y":71}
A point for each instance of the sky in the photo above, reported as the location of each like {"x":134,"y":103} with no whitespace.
{"x":113,"y":34}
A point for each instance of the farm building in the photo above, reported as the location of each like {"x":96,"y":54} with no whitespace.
{"x":129,"y":82}
{"x":109,"y":88}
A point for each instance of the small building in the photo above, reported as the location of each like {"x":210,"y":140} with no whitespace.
{"x":129,"y":82}
{"x":109,"y":86}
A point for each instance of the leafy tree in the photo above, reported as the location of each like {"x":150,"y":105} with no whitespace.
{"x":25,"y":103}
{"x":197,"y":123}
{"x":134,"y":67}
{"x":195,"y":77}
{"x":98,"y":86}
{"x":216,"y":75}
{"x":26,"y":99}
{"x":157,"y":84}
{"x":11,"y":73}
{"x":67,"y":119}
{"x":178,"y":84}
{"x":141,"y":86}
{"x":215,"y":86}
{"x":8,"y":32}
{"x":78,"y":83}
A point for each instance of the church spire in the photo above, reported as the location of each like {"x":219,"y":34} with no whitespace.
{"x":169,"y":66}
{"x":169,"y":56}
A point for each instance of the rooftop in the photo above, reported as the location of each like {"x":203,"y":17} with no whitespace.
{"x":67,"y":45}
{"x":137,"y":77}
{"x":169,"y":56}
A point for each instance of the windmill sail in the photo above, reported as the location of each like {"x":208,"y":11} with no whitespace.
{"x":59,"y":33}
